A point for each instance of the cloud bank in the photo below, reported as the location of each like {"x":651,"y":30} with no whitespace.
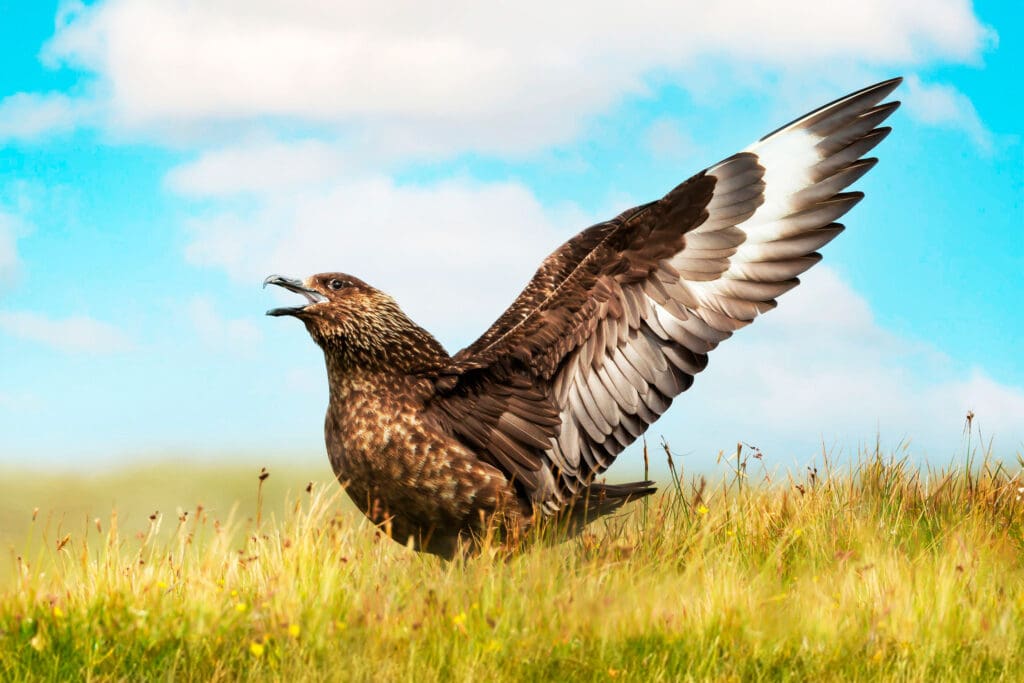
{"x":502,"y":78}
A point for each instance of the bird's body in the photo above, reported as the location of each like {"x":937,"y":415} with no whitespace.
{"x":614,"y":324}
{"x":400,"y":468}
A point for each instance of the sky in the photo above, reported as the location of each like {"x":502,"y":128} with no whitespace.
{"x":159,"y":158}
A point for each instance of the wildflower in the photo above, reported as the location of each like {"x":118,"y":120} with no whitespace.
{"x":257,"y":648}
{"x":797,"y":533}
{"x":58,"y":612}
{"x":702,"y":509}
{"x":241,"y":607}
{"x":38,"y":642}
{"x":294,"y":630}
{"x":162,"y":585}
{"x":459,"y":619}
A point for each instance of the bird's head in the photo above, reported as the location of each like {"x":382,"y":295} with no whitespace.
{"x":348,"y":317}
{"x":334,"y":303}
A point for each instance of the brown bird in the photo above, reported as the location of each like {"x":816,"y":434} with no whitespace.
{"x":615,"y":323}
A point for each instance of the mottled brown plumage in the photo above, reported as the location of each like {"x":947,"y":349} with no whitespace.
{"x":612,"y":327}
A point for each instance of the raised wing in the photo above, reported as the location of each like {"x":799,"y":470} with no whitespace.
{"x":619,"y":319}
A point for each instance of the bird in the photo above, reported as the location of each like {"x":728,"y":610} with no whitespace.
{"x":440,"y":450}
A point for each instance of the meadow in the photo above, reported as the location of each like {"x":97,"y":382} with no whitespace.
{"x":879,"y":569}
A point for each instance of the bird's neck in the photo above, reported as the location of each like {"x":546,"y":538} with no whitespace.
{"x":389,"y":371}
{"x":400,"y":348}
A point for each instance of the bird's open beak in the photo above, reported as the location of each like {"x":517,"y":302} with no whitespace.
{"x":312,"y":296}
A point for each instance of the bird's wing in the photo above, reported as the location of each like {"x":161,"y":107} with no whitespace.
{"x":620,"y":318}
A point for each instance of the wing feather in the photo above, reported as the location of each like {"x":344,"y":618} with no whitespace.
{"x":619,"y":320}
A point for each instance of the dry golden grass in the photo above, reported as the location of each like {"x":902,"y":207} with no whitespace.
{"x":876,"y":570}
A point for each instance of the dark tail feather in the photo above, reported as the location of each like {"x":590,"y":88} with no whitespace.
{"x":603,"y":499}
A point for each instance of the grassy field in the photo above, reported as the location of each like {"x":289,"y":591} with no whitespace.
{"x":878,"y":570}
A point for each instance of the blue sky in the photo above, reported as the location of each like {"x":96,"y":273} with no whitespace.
{"x":158,"y":158}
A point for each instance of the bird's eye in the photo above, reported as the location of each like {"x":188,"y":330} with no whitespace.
{"x":336,"y":284}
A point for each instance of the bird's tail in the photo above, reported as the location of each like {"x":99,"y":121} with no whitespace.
{"x":603,"y":499}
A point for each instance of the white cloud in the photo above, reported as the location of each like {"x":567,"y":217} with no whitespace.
{"x":259,"y":166}
{"x":78,"y":334}
{"x":30,"y":116}
{"x":499,"y":77}
{"x":943,"y":105}
{"x":219,"y":332}
{"x":451,"y":253}
{"x":11,"y":227}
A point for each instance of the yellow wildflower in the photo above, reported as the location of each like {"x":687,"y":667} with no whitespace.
{"x":58,"y":612}
{"x":257,"y":648}
{"x":241,"y":607}
{"x":702,"y":509}
{"x":294,"y":630}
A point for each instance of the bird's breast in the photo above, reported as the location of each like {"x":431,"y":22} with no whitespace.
{"x":392,"y":460}
{"x":369,"y":428}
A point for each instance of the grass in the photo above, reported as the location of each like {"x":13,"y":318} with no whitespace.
{"x":878,"y":570}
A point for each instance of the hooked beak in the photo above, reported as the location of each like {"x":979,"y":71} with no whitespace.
{"x":312,"y":296}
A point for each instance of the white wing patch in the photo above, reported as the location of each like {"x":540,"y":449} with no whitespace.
{"x":772,"y":207}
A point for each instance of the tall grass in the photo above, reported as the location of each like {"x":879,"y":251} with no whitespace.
{"x":879,"y":569}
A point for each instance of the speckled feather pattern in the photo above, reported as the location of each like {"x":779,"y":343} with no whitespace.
{"x":402,"y":471}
